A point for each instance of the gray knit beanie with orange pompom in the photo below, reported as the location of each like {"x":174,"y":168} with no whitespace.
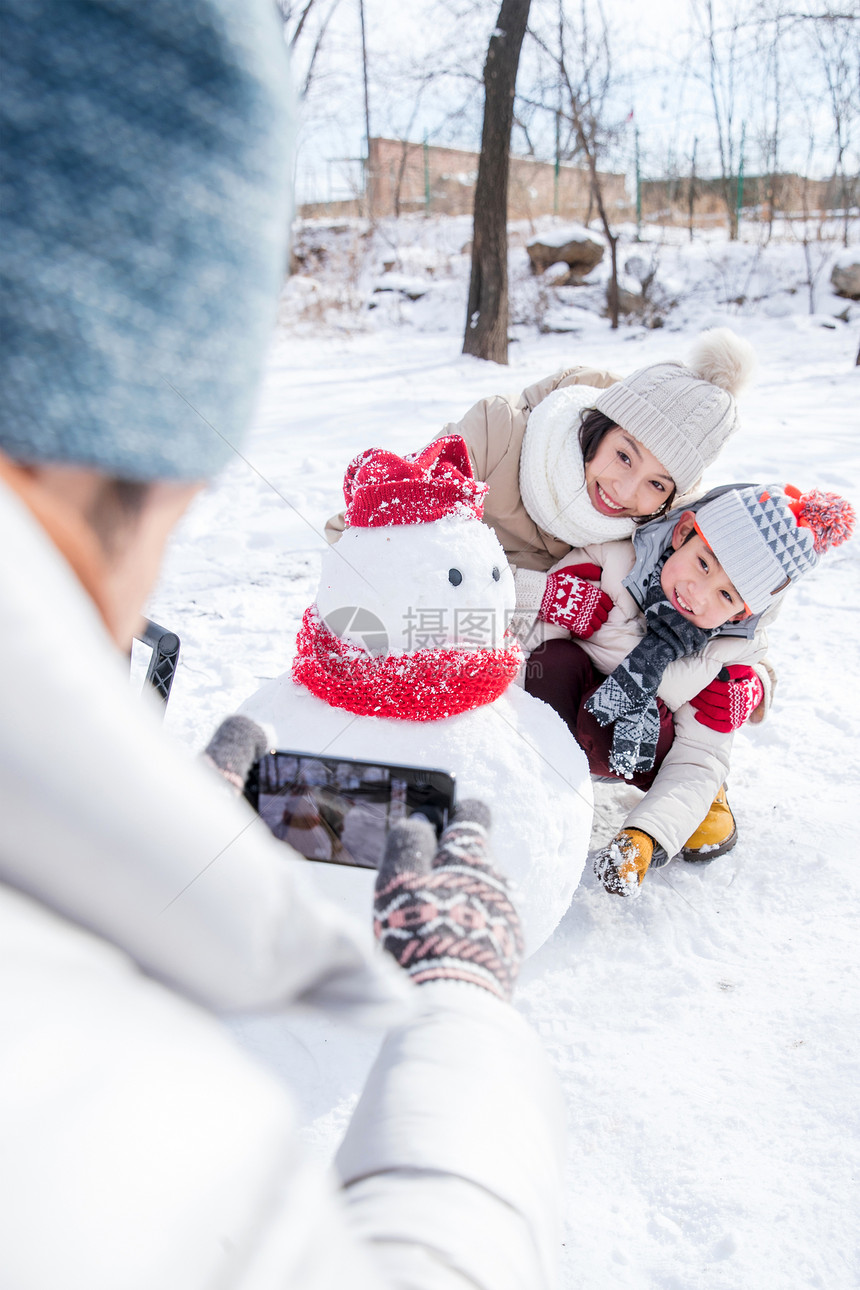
{"x":767,"y":538}
{"x":684,"y":413}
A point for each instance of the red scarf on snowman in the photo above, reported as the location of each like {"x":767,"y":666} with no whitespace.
{"x":383,"y":489}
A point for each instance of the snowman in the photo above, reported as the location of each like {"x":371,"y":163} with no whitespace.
{"x":406,"y":658}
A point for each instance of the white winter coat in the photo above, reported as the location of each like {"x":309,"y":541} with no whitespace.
{"x":139,"y":1147}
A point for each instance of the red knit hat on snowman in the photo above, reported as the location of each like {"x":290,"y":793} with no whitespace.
{"x":382,"y":490}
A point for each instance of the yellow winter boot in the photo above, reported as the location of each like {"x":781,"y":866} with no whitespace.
{"x":623,"y":864}
{"x":716,"y":835}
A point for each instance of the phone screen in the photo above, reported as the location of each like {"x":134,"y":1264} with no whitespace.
{"x":340,"y":811}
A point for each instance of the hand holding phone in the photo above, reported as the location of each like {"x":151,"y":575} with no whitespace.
{"x":235,"y":747}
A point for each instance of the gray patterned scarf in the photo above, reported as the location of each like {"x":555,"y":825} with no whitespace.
{"x":629,"y":696}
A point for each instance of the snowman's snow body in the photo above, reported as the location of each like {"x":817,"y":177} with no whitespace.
{"x":406,"y":592}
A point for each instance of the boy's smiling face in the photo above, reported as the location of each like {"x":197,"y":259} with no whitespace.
{"x":695,"y":583}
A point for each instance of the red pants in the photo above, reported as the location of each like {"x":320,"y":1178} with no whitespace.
{"x":563,"y":675}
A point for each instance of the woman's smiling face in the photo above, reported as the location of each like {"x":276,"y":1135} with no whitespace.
{"x":625,"y":480}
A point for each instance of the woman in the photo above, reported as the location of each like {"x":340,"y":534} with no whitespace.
{"x":556,"y":479}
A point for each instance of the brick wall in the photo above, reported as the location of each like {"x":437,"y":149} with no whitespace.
{"x":407,"y":177}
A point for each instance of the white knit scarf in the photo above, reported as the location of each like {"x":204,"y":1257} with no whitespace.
{"x":552,"y":476}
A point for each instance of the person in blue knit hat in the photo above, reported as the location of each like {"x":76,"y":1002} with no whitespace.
{"x":144,"y":162}
{"x":134,"y":330}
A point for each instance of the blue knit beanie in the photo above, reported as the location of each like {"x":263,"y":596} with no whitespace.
{"x":144,"y":205}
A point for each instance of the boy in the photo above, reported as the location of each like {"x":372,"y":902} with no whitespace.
{"x":691,"y":595}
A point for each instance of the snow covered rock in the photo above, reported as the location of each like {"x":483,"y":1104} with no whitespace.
{"x":576,"y":248}
{"x":845,"y":275}
{"x":408,"y":285}
{"x":405,"y":657}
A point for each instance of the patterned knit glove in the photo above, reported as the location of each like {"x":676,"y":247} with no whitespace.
{"x":235,"y":746}
{"x":573,"y":600}
{"x":730,"y":699}
{"x":448,"y":917}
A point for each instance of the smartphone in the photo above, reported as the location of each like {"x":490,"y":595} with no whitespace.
{"x":339,"y":810}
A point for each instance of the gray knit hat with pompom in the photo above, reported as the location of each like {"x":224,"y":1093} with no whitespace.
{"x":684,"y":413}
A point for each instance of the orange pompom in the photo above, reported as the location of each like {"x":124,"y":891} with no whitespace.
{"x":828,"y":515}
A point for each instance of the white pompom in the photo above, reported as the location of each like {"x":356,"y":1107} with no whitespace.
{"x":724,"y":358}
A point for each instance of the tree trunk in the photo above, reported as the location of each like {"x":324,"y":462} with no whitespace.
{"x":596,"y":191}
{"x":727,"y":189}
{"x":401,"y":172}
{"x":612,"y":288}
{"x":486,"y":333}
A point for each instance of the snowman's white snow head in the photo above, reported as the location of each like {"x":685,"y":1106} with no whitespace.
{"x":417,"y":587}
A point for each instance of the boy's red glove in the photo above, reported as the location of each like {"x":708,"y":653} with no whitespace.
{"x":573,"y":600}
{"x":730,"y":699}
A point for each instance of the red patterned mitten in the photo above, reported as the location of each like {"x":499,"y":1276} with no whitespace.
{"x":453,"y":921}
{"x":730,"y":699}
{"x":575,"y":603}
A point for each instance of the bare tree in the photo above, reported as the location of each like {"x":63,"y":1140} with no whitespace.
{"x":441,"y":76}
{"x":420,"y":83}
{"x":769,"y":42}
{"x":368,"y":178}
{"x":583,"y":106}
{"x":810,"y":229}
{"x":812,"y":65}
{"x":723,"y":46}
{"x":486,"y":334}
{"x":849,"y":12}
{"x":304,"y":36}
{"x":838,"y":49}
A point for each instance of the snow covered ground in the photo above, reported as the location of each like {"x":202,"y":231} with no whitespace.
{"x":707,"y":1035}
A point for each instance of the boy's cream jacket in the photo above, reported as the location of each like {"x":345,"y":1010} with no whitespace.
{"x":698,"y":761}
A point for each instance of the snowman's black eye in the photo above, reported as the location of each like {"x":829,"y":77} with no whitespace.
{"x":455,"y":577}
{"x":496,"y":574}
